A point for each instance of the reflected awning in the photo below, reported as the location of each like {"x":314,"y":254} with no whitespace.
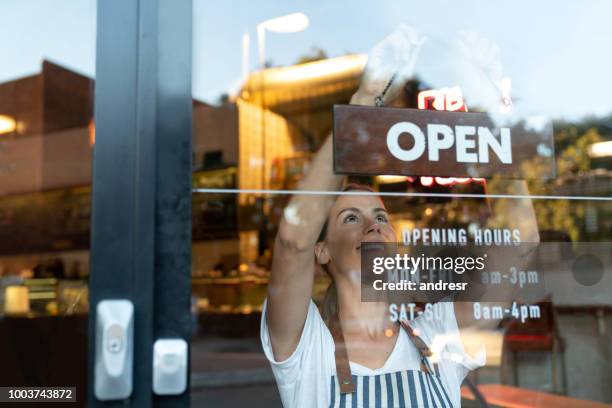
{"x":304,"y":87}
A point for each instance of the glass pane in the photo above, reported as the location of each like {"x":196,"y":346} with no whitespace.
{"x":264,"y":89}
{"x":46,"y":138}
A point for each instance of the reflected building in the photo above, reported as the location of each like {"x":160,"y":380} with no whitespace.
{"x":260,"y":139}
{"x":263,"y":138}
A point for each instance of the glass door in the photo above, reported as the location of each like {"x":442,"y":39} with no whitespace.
{"x":269,"y":91}
{"x":47,"y":134}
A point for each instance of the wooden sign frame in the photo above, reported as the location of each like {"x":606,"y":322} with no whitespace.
{"x":413,"y":142}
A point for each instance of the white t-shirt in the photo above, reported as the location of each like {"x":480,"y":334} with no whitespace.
{"x":304,"y":378}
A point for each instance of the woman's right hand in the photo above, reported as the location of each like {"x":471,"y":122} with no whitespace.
{"x":391,"y":63}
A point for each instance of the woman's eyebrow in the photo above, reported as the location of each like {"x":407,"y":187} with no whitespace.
{"x":347,"y":209}
{"x":379,"y":209}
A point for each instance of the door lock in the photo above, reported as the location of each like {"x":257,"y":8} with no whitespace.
{"x":170,"y":366}
{"x":114,"y":349}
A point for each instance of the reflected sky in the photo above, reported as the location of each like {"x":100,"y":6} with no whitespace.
{"x":557,"y":54}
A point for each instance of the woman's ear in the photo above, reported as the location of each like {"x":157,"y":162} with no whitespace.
{"x":321,"y":253}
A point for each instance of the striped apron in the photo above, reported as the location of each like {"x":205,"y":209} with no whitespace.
{"x":410,"y":388}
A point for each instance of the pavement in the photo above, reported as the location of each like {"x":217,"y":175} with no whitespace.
{"x":231,"y":373}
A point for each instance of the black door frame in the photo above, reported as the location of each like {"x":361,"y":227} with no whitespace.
{"x":141,"y":196}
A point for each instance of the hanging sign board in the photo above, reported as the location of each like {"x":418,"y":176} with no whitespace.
{"x":399,"y":141}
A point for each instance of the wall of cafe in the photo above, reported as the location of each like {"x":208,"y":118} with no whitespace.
{"x":582,"y":362}
{"x":206,"y":254}
{"x":281,"y":139}
{"x":265,"y":138}
{"x":45,"y":162}
{"x":55,"y":99}
{"x":42,"y":175}
{"x":62,"y":159}
{"x":215,"y":129}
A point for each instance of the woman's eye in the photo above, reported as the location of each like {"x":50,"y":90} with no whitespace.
{"x":350,"y":218}
{"x":381,"y":218}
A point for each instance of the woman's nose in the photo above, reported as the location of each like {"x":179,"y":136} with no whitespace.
{"x":373,"y":228}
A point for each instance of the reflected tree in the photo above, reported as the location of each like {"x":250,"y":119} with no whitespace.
{"x":572,"y":163}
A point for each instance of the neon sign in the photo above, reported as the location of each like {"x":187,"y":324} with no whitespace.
{"x":430,"y":181}
{"x":443,"y":99}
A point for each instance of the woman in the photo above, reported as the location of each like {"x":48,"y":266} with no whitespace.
{"x":389,"y":365}
{"x":359,"y":357}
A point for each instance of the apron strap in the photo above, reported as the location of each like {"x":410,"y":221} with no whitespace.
{"x":343,"y":369}
{"x":423,"y":348}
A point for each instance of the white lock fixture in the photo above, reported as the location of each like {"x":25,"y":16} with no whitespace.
{"x":169,"y":366}
{"x":114,"y":349}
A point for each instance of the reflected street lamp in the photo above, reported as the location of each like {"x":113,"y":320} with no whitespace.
{"x":7,"y":124}
{"x":290,"y":23}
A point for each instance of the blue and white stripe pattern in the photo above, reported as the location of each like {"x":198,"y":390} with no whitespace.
{"x":405,"y":389}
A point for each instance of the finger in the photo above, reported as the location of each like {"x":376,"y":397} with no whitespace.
{"x":493,"y":58}
{"x":391,"y":62}
{"x":406,"y":68}
{"x":462,"y":44}
{"x":383,"y":61}
{"x":482,"y":45}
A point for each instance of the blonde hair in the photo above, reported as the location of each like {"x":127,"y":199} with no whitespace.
{"x":329,"y":307}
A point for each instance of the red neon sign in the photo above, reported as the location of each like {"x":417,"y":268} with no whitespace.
{"x":443,"y":99}
{"x":447,"y":181}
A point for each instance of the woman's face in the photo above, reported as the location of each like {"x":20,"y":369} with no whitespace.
{"x":353,"y":219}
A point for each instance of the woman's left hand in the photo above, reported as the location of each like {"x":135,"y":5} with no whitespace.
{"x":390,"y":64}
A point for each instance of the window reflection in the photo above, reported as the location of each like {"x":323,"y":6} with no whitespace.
{"x":261,"y":133}
{"x":284,"y":114}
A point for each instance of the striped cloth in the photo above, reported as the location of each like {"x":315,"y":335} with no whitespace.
{"x":412,"y":388}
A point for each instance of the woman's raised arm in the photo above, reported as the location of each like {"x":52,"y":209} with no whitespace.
{"x":292,"y":275}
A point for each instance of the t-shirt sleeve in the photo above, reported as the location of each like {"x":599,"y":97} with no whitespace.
{"x":307,"y":362}
{"x":442,"y":334}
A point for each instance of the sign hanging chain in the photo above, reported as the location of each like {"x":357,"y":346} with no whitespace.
{"x":379,"y":100}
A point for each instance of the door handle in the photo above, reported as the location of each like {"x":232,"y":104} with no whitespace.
{"x":114,"y":349}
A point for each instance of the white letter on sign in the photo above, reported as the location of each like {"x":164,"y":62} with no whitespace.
{"x":464,"y":144}
{"x":435,"y":144}
{"x":393,"y":141}
{"x":502,"y":149}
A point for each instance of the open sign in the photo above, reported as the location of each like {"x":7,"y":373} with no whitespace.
{"x":372,"y":141}
{"x":463,"y":139}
